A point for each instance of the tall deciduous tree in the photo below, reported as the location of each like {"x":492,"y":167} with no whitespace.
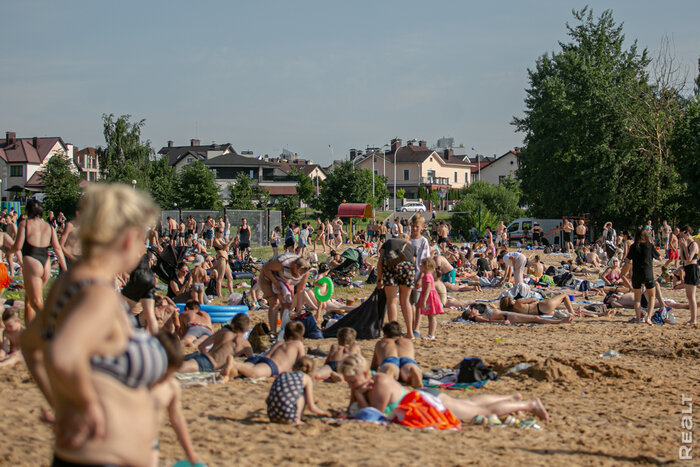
{"x":348,"y":184}
{"x":198,"y":188}
{"x":125,"y":157}
{"x":165,"y":184}
{"x":241,"y":192}
{"x":61,"y":186}
{"x":579,"y":155}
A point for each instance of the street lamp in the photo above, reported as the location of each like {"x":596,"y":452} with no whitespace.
{"x":133,"y":185}
{"x":395,"y":154}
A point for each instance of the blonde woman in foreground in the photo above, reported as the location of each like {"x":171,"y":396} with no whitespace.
{"x":92,"y":366}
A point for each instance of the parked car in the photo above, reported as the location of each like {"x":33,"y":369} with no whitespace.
{"x":413,"y":206}
{"x":519,"y":227}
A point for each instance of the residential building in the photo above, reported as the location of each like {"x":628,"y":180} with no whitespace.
{"x":180,"y":156}
{"x":499,"y":169}
{"x":88,"y":164}
{"x":479,"y":162}
{"x":266,"y":174}
{"x":417,"y":166}
{"x":23,"y":159}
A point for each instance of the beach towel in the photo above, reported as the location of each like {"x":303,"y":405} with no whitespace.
{"x":4,"y":277}
{"x":418,"y":409}
{"x":281,"y":288}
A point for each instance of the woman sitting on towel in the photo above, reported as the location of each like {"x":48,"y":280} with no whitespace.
{"x":486,"y":313}
{"x":532,"y":306}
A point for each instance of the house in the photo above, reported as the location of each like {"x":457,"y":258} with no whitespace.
{"x":226,"y":168}
{"x":180,"y":156}
{"x":88,"y":164}
{"x":417,"y":166}
{"x":23,"y":159}
{"x":304,"y":166}
{"x":499,"y":169}
{"x":479,"y":162}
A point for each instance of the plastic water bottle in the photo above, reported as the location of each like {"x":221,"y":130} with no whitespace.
{"x":611,"y":353}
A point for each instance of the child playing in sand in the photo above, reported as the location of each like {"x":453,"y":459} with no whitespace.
{"x":278,"y":359}
{"x":386,"y":354}
{"x":167,"y":395}
{"x":227,"y":342}
{"x":384,"y":394}
{"x":323,"y":271}
{"x":429,"y":301}
{"x":10,"y":354}
{"x":346,"y":346}
{"x":291,"y":393}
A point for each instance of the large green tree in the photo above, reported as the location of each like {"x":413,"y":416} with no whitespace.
{"x":61,"y":186}
{"x":198,"y":188}
{"x":125,"y":157}
{"x":579,"y":154}
{"x":241,"y":192}
{"x":348,"y":184}
{"x":165,"y":183}
{"x":497,"y":202}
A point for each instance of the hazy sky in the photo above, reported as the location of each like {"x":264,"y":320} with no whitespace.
{"x":302,"y":75}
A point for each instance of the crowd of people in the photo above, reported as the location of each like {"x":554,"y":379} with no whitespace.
{"x":103,"y":344}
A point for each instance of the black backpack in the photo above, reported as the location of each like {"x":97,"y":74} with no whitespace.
{"x":372,"y":277}
{"x":473,"y":370}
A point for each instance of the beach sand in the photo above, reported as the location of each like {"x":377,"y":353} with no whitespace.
{"x":604,"y":411}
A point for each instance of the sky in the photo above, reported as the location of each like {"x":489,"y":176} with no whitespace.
{"x":314,"y":77}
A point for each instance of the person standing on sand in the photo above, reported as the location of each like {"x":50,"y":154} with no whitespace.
{"x":395,"y":273}
{"x":642,"y":254}
{"x":567,"y":228}
{"x":92,"y":366}
{"x":689,"y":255}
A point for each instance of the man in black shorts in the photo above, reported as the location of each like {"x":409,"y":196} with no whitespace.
{"x":141,"y":288}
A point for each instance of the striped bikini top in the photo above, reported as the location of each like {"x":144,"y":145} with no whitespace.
{"x":142,"y":363}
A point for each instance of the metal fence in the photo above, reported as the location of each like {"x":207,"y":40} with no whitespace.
{"x":260,"y":222}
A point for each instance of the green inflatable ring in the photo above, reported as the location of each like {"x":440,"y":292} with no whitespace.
{"x":329,"y":292}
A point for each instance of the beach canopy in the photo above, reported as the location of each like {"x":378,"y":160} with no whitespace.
{"x":355,"y":210}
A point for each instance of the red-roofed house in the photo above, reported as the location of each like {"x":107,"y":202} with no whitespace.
{"x":21,"y":160}
{"x":88,"y":163}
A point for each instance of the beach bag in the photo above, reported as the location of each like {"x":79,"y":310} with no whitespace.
{"x":259,"y":338}
{"x":311,"y":330}
{"x":547,"y":279}
{"x":473,"y":370}
{"x":372,"y":277}
{"x":394,"y":257}
{"x":564,"y":280}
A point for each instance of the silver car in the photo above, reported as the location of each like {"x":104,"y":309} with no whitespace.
{"x":413,"y":206}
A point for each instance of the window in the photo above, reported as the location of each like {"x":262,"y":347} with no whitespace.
{"x":190,"y":160}
{"x":455,"y":177}
{"x":466,"y":177}
{"x":16,"y":171}
{"x":405,"y":174}
{"x":501,"y":179}
{"x":376,"y":173}
{"x":251,"y":174}
{"x":431,"y":175}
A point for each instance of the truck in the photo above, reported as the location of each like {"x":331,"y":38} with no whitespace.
{"x":522,"y":226}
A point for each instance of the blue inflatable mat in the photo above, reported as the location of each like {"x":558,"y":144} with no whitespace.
{"x":219,"y":313}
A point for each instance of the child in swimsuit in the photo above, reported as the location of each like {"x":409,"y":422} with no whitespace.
{"x":346,"y":346}
{"x":278,"y":359}
{"x":291,"y":393}
{"x":429,"y":303}
{"x":386,"y":354}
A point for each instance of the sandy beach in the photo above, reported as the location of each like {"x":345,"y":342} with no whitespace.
{"x":604,"y":411}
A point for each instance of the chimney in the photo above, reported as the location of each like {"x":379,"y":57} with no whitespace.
{"x":10,"y":137}
{"x":395,"y":145}
{"x":35,"y":142}
{"x":409,"y":142}
{"x":170,"y":144}
{"x":194,"y":142}
{"x":422,"y":144}
{"x":447,"y":154}
{"x":353,"y":154}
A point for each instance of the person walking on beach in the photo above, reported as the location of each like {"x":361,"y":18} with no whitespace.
{"x":689,"y":255}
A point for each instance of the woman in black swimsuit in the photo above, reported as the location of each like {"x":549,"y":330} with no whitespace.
{"x":532,"y":306}
{"x":34,"y":236}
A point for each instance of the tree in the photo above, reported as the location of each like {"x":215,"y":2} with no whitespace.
{"x":348,"y":184}
{"x":498,"y":202}
{"x":165,"y":185}
{"x":400,"y":193}
{"x":579,"y":156}
{"x":686,"y":157}
{"x":124,"y":157}
{"x":61,"y":185}
{"x":305,"y":188}
{"x":198,"y":188}
{"x":289,"y":206}
{"x":241,"y":192}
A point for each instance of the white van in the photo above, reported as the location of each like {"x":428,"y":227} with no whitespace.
{"x":517,"y":228}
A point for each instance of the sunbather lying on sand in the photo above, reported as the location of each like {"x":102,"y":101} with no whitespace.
{"x":384,"y":393}
{"x":487,"y":313}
